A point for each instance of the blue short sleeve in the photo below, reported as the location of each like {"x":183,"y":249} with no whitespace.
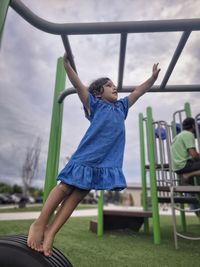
{"x":93,"y":103}
{"x":124,"y":106}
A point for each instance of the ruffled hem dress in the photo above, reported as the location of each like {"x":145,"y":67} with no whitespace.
{"x":97,"y":162}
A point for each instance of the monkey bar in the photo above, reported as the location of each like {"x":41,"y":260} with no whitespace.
{"x":123,"y":28}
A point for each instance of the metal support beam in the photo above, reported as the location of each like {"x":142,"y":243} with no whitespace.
{"x":105,"y":27}
{"x":122,"y":60}
{"x":68,"y":51}
{"x":175,"y":57}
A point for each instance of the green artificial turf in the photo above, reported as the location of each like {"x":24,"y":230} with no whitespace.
{"x":119,"y":249}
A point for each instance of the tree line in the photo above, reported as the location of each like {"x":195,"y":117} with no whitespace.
{"x":17,"y":189}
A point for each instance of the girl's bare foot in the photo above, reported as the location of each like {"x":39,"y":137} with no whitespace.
{"x":35,"y":236}
{"x":48,"y":243}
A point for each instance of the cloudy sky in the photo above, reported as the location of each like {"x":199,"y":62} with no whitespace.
{"x":28,"y":64}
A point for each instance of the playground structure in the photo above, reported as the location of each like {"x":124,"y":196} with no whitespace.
{"x":155,"y":141}
{"x":186,"y":26}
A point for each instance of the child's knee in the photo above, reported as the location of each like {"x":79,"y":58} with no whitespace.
{"x":82,"y":193}
{"x":65,"y":188}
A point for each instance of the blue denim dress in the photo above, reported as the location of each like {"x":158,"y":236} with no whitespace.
{"x":97,"y":162}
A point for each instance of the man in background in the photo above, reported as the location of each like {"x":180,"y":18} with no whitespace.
{"x":184,"y":156}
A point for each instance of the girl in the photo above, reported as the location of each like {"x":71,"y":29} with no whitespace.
{"x":97,"y":162}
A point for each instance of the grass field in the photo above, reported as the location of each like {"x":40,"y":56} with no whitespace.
{"x":119,"y":249}
{"x":38,"y":208}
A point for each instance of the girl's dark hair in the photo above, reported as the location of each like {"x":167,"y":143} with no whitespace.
{"x":96,"y":86}
{"x":188,"y":123}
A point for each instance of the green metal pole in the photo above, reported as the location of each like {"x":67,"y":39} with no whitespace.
{"x":4,"y":4}
{"x":188,"y":109}
{"x":55,"y":132}
{"x":100,"y":214}
{"x":143,"y":171}
{"x":155,"y":211}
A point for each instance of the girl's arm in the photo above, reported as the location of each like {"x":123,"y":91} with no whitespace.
{"x":76,"y":82}
{"x":144,"y":87}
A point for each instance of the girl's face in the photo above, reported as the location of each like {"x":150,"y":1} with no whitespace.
{"x":110,"y":92}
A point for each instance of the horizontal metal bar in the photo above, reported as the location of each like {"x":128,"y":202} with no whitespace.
{"x":154,"y":89}
{"x":168,"y":89}
{"x":104,"y":27}
{"x":175,"y":57}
